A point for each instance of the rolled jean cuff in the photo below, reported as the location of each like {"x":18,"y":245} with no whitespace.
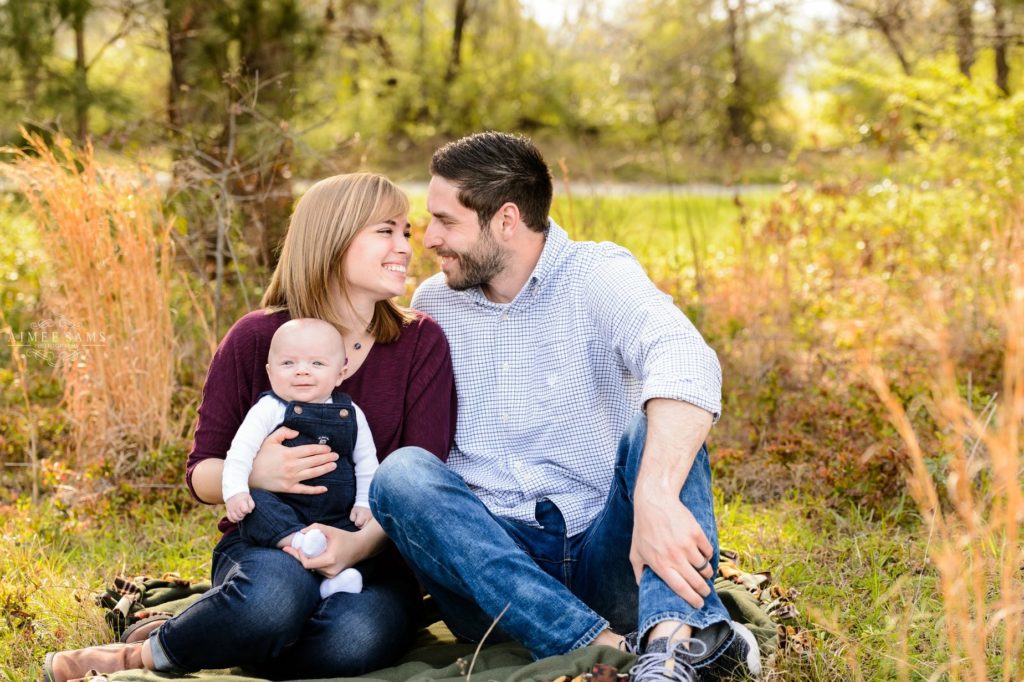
{"x":695,"y":619}
{"x":162,"y":662}
{"x":590,"y":635}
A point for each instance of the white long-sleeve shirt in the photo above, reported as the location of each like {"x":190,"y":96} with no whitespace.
{"x":261,"y":420}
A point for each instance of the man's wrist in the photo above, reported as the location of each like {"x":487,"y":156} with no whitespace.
{"x":654,"y":493}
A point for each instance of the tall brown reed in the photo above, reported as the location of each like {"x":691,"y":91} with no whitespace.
{"x":975,"y":510}
{"x":110,"y":252}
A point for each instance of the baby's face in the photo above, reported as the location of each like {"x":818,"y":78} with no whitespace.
{"x":305,"y":367}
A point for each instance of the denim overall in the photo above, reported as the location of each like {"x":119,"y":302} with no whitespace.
{"x":278,"y":515}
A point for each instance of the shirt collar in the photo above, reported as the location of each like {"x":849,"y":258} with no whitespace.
{"x":555,"y":242}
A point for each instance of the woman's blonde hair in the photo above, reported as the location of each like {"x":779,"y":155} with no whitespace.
{"x":325,"y":221}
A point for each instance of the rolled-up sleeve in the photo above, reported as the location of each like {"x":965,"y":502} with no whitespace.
{"x":656,"y":341}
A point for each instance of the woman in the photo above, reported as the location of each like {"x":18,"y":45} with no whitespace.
{"x":344,"y":260}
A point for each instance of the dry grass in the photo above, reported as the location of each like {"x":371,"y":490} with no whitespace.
{"x":111,"y":332}
{"x":973,"y":508}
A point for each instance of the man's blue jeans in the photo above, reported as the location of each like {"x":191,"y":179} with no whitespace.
{"x":561,"y":591}
{"x":265,"y":614}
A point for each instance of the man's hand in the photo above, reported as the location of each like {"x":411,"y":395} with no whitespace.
{"x":360,"y":515}
{"x":238,"y":506}
{"x":669,"y":540}
{"x":282,"y":469}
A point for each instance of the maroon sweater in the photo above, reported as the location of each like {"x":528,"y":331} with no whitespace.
{"x":405,"y":388}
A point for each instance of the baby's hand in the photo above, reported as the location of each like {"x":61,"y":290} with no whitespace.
{"x":239,"y":505}
{"x":359,"y":516}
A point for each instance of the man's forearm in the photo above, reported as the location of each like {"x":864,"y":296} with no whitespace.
{"x":675,"y":433}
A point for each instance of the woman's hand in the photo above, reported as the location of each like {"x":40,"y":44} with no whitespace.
{"x":282,"y":469}
{"x":344,"y":549}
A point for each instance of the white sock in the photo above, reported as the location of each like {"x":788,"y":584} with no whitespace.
{"x":349,"y":580}
{"x":311,"y":544}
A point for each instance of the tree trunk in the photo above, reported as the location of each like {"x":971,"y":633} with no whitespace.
{"x":30,"y":34}
{"x":230,"y":116}
{"x":738,"y":106}
{"x":180,"y":21}
{"x":83,"y":98}
{"x":1001,"y":45}
{"x":197,"y":107}
{"x":268,"y":67}
{"x":965,"y":51}
{"x":421,"y":45}
{"x":889,"y":34}
{"x":455,"y":60}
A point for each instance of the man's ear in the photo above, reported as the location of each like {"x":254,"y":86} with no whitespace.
{"x":507,"y":220}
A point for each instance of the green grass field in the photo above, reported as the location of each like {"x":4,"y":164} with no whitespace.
{"x":861,"y":581}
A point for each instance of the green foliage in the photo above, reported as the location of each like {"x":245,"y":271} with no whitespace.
{"x":791,"y":287}
{"x":57,"y":556}
{"x":867,"y":593}
{"x":380,"y":78}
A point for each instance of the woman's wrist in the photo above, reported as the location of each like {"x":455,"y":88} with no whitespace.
{"x":372,"y":540}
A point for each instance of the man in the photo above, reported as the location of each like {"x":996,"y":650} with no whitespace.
{"x":576,"y":503}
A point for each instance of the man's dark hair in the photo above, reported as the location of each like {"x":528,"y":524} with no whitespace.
{"x":491,"y":169}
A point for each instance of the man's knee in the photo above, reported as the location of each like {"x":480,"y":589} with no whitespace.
{"x":404,"y":473}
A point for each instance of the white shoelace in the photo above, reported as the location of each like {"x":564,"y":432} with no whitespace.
{"x":651,"y":667}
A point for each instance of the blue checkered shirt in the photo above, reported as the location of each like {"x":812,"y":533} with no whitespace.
{"x":548,"y":383}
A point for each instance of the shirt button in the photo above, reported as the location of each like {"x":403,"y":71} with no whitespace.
{"x":504,"y":367}
{"x":504,"y":316}
{"x":298,"y":409}
{"x":504,"y":417}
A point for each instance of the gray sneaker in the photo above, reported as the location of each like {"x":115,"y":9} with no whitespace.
{"x":630,"y":643}
{"x":653,"y":664}
{"x":729,"y":651}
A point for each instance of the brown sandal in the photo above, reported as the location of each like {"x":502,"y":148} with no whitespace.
{"x":139,"y":632}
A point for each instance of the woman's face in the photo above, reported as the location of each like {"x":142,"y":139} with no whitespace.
{"x":375,"y":263}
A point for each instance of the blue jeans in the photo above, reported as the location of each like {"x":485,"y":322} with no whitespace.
{"x":561,"y":591}
{"x":265,"y":614}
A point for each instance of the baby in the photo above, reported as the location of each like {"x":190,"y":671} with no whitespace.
{"x":305,"y":364}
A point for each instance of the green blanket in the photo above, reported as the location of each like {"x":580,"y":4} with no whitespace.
{"x":436,"y":657}
{"x":450,"y":663}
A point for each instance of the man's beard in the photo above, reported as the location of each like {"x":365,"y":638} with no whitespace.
{"x":478,"y":266}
